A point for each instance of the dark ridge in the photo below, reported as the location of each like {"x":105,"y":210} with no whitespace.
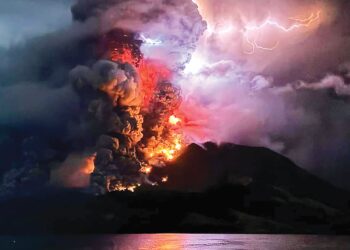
{"x":211,"y":189}
{"x":200,"y":168}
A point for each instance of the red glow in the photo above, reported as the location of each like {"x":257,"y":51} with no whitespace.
{"x":195,"y":123}
{"x":150,"y":71}
{"x":169,"y":142}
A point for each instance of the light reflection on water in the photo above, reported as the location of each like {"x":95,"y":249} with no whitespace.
{"x":177,"y":242}
{"x":228,"y":241}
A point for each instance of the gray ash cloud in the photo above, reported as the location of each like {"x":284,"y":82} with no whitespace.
{"x":64,"y":101}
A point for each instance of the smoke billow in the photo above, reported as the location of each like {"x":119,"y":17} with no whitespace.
{"x":112,"y":99}
{"x":89,"y":89}
{"x":74,"y":172}
{"x":174,"y":26}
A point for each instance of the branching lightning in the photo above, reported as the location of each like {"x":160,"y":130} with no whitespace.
{"x":150,"y":41}
{"x":254,"y":30}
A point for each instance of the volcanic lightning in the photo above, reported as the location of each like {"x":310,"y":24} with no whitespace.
{"x":253,"y":30}
{"x":149,"y":41}
{"x":255,"y":33}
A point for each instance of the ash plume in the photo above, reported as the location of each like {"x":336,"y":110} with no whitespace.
{"x":115,"y":110}
{"x":74,"y":93}
{"x":177,"y":25}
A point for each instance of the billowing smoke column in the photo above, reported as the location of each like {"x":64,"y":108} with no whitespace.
{"x":168,"y":28}
{"x":137,"y":98}
{"x":113,"y":101}
{"x":114,"y":65}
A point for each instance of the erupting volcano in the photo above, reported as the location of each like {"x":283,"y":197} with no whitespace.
{"x":112,"y":119}
{"x":130,"y":84}
{"x":161,"y":80}
{"x":141,"y":95}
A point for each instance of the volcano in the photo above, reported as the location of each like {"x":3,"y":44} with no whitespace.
{"x":209,"y":166}
{"x":210,"y":188}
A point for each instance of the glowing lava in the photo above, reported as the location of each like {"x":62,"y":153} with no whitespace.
{"x":162,"y":137}
{"x":159,"y":151}
{"x":174,"y":120}
{"x":150,"y":72}
{"x":122,"y":187}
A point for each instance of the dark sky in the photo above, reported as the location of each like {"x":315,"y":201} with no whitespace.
{"x":21,"y":19}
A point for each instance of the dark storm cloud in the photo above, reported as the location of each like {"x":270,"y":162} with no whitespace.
{"x":22,"y":19}
{"x":322,"y":53}
{"x":40,"y":46}
{"x":36,"y":105}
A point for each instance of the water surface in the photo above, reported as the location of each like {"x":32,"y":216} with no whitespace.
{"x":176,"y":241}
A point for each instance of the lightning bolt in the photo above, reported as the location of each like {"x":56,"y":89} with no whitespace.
{"x":256,"y":29}
{"x":150,"y":41}
{"x":255,"y":45}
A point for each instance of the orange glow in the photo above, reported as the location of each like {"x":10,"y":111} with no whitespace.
{"x":146,"y":169}
{"x":120,"y":187}
{"x":165,"y":179}
{"x":150,"y":72}
{"x":164,"y":150}
{"x":168,"y":142}
{"x":89,"y":165}
{"x":74,"y":172}
{"x":306,"y":22}
{"x":174,"y":120}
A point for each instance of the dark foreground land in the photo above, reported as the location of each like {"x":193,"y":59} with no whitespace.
{"x":217,"y":189}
